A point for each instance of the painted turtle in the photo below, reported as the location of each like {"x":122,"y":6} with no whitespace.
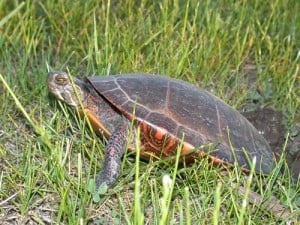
{"x":167,"y":111}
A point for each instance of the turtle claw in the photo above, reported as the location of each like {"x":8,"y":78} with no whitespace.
{"x":102,"y":181}
{"x":107,"y":178}
{"x":101,"y":185}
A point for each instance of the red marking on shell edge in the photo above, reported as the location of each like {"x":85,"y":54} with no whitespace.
{"x":187,"y":147}
{"x":130,"y":117}
{"x":145,"y":128}
{"x":160,"y":133}
{"x":217,"y":161}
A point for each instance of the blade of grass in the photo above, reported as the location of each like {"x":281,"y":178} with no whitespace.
{"x":11,"y":14}
{"x":247,"y":191}
{"x":216,"y":213}
{"x":168,"y":187}
{"x":38,"y":129}
{"x":138,"y":214}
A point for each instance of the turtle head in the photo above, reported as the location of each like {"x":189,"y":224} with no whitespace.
{"x":60,"y":85}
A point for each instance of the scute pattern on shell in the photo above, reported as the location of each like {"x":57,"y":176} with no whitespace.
{"x":185,"y":110}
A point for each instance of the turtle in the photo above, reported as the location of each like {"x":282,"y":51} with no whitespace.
{"x":169,"y":113}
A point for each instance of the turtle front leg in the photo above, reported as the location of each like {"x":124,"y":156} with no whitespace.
{"x":115,"y":149}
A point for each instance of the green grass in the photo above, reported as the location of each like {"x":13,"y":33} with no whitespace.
{"x":47,"y":156}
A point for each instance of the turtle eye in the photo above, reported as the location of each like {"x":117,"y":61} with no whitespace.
{"x":60,"y":81}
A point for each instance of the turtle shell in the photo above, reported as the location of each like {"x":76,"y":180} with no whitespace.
{"x":170,"y":112}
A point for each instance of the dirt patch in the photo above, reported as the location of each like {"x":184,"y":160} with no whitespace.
{"x":268,"y":122}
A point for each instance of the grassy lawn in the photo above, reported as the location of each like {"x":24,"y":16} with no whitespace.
{"x":239,"y":50}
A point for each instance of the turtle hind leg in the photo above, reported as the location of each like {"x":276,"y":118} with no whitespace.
{"x":115,"y":149}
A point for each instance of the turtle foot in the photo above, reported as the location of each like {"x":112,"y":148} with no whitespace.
{"x":103,"y":178}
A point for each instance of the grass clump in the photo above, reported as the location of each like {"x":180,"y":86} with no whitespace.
{"x":234,"y":49}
